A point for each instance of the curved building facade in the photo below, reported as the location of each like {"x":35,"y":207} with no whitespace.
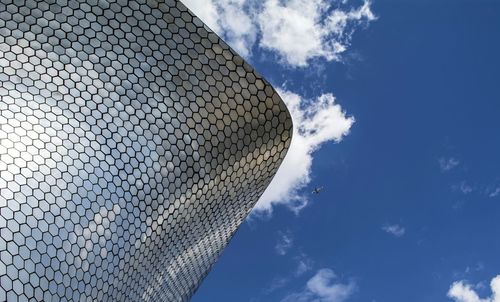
{"x":133,"y":142}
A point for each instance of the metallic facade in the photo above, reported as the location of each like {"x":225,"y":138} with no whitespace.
{"x":133,"y":144}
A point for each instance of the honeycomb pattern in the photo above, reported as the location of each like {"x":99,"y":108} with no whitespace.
{"x":133,"y":142}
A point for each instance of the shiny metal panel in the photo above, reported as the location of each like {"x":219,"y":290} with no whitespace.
{"x":133,"y":142}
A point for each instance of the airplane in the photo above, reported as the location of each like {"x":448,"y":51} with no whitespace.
{"x":317,"y":190}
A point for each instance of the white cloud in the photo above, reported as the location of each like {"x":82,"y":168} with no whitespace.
{"x":323,"y":287}
{"x":447,"y":164}
{"x":463,"y":292}
{"x":315,"y":122}
{"x":285,"y":242}
{"x":301,"y":30}
{"x":394,"y":229}
{"x":297,"y":30}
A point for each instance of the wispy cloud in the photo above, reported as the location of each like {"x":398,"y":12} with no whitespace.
{"x":461,"y":291}
{"x":463,"y":187}
{"x":296,"y":30}
{"x":285,"y":242}
{"x":315,"y":122}
{"x":325,"y":286}
{"x":494,"y":192}
{"x":491,"y":190}
{"x":394,"y":229}
{"x":277,"y":283}
{"x":303,"y":265}
{"x":464,"y":272}
{"x":448,"y":163}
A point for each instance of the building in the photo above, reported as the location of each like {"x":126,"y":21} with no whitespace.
{"x":133,"y":143}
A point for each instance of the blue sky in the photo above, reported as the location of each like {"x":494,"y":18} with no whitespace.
{"x":410,"y":209}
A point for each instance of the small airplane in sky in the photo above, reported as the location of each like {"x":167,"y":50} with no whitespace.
{"x":317,"y":190}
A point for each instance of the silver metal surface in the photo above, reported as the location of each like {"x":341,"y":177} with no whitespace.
{"x":133,"y":142}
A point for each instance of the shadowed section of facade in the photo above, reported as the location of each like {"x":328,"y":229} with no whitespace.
{"x":133,"y":144}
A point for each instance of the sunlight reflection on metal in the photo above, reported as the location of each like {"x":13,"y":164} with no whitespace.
{"x":133,"y":143}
